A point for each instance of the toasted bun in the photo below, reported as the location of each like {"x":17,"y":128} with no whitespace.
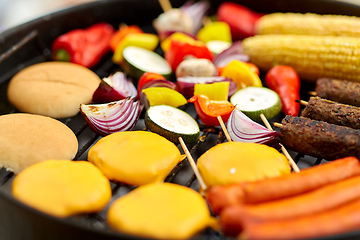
{"x":26,"y":139}
{"x":54,"y":89}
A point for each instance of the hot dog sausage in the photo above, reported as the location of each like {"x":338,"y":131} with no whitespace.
{"x":308,"y":179}
{"x":342,"y":219}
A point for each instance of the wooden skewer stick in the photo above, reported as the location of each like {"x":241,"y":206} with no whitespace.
{"x":165,"y":5}
{"x":313,"y":93}
{"x":224,"y":128}
{"x":302,"y":102}
{"x":283,"y":149}
{"x":279,"y":125}
{"x":193,"y":164}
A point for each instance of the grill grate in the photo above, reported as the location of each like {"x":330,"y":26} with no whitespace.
{"x":182,"y":174}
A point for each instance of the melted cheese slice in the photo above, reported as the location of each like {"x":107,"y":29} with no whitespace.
{"x":62,"y":187}
{"x":234,"y":162}
{"x":160,"y":211}
{"x":135,"y":158}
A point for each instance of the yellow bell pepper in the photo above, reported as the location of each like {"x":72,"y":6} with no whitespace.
{"x":218,"y":91}
{"x":182,"y":37}
{"x":164,"y":95}
{"x":215,"y":31}
{"x":148,"y":41}
{"x":241,"y":74}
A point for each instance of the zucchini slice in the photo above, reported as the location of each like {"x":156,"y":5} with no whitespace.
{"x":172,"y":123}
{"x":253,"y":101}
{"x":138,"y":60}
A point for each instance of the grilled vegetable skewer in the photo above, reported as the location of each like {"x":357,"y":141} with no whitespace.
{"x":340,"y":91}
{"x":319,"y":139}
{"x":332,"y":112}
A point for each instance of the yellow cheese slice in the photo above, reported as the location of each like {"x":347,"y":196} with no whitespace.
{"x":135,"y":158}
{"x":160,"y":211}
{"x":62,"y":187}
{"x":234,"y":162}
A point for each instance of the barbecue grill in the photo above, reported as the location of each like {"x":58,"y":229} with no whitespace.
{"x":30,"y":43}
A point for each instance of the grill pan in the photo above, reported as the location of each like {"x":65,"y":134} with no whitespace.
{"x":29,"y":43}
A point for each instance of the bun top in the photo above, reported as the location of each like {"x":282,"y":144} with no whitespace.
{"x":54,"y":89}
{"x":26,"y":139}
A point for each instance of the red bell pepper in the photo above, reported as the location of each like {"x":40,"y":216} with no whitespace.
{"x":286,"y":82}
{"x":240,"y":19}
{"x":208,"y":110}
{"x":179,"y":51}
{"x":85,"y":47}
{"x":147,"y":77}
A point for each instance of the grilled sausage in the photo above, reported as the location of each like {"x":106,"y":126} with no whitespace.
{"x":234,"y":218}
{"x":339,"y":220}
{"x":289,"y":185}
{"x":319,"y":139}
{"x":332,"y":112}
{"x":339,"y":91}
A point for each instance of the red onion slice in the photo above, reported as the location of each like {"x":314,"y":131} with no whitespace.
{"x":234,"y":52}
{"x":242,"y":129}
{"x":186,"y":84}
{"x":112,"y":117}
{"x":196,"y":11}
{"x":114,"y":88}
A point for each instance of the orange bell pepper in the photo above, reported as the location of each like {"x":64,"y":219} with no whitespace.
{"x":208,"y":110}
{"x":121,"y":33}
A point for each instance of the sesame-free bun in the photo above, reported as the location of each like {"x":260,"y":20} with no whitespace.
{"x":26,"y":139}
{"x":54,"y":89}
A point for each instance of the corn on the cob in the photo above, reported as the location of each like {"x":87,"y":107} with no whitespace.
{"x":312,"y":57}
{"x":309,"y":24}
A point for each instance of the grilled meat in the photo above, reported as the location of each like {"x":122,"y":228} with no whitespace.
{"x":332,"y":112}
{"x":339,"y":91}
{"x":319,"y":139}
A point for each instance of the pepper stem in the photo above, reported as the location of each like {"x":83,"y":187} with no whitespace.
{"x":62,"y":55}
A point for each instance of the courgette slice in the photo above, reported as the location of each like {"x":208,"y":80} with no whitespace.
{"x":138,"y":60}
{"x":253,"y":101}
{"x":172,"y":123}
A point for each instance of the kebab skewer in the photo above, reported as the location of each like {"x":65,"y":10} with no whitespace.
{"x":319,"y":139}
{"x":340,"y":91}
{"x":331,"y":112}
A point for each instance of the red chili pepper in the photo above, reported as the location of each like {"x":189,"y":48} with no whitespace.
{"x":208,"y":110}
{"x":85,"y":47}
{"x":286,"y":82}
{"x":240,"y":19}
{"x":147,"y":77}
{"x":179,"y":51}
